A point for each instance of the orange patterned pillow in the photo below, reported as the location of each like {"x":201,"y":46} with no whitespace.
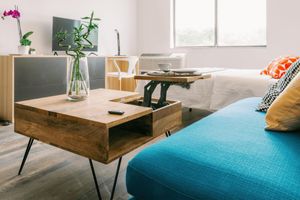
{"x":278,"y":67}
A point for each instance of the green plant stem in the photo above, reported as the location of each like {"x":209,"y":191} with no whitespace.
{"x":19,"y":28}
{"x":84,"y":83}
{"x":77,"y":79}
{"x":80,"y":38}
{"x":73,"y":75}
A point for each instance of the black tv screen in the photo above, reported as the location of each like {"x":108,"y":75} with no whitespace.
{"x":63,"y":24}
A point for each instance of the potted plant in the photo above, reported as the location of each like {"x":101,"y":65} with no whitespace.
{"x":25,"y":43}
{"x":78,"y":83}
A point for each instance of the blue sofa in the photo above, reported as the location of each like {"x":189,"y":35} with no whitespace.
{"x":227,"y":155}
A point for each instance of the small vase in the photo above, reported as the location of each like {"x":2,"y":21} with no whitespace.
{"x":23,"y":50}
{"x":78,"y":82}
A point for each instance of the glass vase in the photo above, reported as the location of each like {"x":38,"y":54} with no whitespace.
{"x":78,"y":82}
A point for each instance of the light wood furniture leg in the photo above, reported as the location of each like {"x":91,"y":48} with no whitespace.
{"x":6,"y":87}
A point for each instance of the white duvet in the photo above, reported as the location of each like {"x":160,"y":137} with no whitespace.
{"x":223,"y":88}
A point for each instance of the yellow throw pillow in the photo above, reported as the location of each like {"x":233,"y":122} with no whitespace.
{"x":284,"y":113}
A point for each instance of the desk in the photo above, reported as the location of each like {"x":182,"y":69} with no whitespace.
{"x":85,"y":128}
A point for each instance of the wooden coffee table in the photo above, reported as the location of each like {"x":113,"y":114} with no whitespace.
{"x":85,"y":128}
{"x":165,"y":81}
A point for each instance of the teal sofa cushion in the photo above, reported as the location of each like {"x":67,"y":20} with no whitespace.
{"x":227,"y":155}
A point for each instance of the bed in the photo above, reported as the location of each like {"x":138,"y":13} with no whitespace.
{"x":225,"y":87}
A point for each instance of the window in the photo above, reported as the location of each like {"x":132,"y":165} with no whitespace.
{"x":219,"y":23}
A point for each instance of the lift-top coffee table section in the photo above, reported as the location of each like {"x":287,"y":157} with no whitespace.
{"x":165,"y":81}
{"x":86,"y":128}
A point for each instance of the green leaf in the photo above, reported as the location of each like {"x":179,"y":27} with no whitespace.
{"x":81,"y":53}
{"x":76,"y":29}
{"x":79,"y":36}
{"x":26,"y":35}
{"x":25,"y":42}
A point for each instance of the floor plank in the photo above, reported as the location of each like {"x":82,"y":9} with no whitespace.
{"x":52,"y":173}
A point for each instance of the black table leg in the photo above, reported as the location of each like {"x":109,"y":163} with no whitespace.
{"x":95,"y":179}
{"x":25,"y":155}
{"x":168,"y":133}
{"x":148,"y":91}
{"x":30,"y":142}
{"x":116,"y":179}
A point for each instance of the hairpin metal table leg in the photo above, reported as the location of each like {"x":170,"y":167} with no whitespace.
{"x":26,"y":154}
{"x":95,"y":179}
{"x":168,"y":133}
{"x":116,"y":179}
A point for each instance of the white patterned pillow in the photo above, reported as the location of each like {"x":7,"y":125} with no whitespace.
{"x":275,"y":90}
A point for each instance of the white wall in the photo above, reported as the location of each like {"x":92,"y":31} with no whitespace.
{"x":283,"y":36}
{"x":37,"y":16}
{"x":145,"y":27}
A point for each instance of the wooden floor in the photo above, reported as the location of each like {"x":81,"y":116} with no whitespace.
{"x":51,"y":173}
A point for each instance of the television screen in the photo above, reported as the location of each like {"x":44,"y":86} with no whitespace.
{"x":62,"y":24}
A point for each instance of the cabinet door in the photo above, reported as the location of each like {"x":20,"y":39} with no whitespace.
{"x":39,"y":77}
{"x":97,"y":72}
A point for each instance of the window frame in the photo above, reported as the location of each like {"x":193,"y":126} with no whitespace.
{"x":216,"y":32}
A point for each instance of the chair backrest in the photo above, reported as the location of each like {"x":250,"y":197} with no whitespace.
{"x":132,"y":61}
